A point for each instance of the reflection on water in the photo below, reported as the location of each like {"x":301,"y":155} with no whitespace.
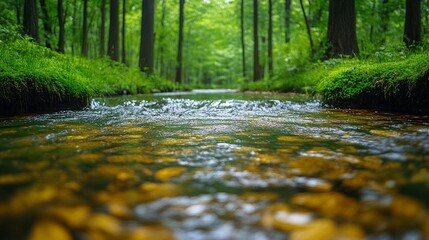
{"x":214,"y":166}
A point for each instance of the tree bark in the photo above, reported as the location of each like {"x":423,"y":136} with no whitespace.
{"x":412,"y":29}
{"x":270,"y":37}
{"x":30,"y":23}
{"x":46,"y":24}
{"x":113,"y":42}
{"x":256,"y":67}
{"x":124,"y":11}
{"x":147,"y":36}
{"x":180,"y":44}
{"x":288,"y":4}
{"x":84,"y":48}
{"x":307,"y":25}
{"x":243,"y":46}
{"x":103,"y":28}
{"x":342,"y":28}
{"x":384,"y":20}
{"x":61,"y":23}
{"x":161,"y":38}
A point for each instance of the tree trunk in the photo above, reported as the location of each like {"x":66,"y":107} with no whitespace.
{"x":412,"y":29}
{"x":103,"y":28}
{"x":74,"y":30}
{"x":46,"y":24}
{"x":270,"y":37}
{"x":30,"y":24}
{"x":384,"y":20}
{"x":180,"y":45}
{"x":256,"y":66}
{"x":18,"y":12}
{"x":288,"y":4}
{"x":243,"y":46}
{"x":124,"y":11}
{"x":342,"y":28}
{"x":84,"y":48}
{"x":61,"y":23}
{"x":307,"y":25}
{"x":113,"y":43}
{"x":147,"y":36}
{"x":161,"y":39}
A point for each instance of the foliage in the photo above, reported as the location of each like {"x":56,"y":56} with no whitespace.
{"x":32,"y":75}
{"x":400,"y":84}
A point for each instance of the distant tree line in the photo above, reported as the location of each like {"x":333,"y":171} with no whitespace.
{"x":207,"y":42}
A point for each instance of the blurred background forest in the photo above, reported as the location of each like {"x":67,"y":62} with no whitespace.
{"x":218,"y":35}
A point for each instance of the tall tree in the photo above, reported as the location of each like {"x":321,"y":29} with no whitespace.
{"x":74,"y":26}
{"x":342,"y":28}
{"x":113,"y":42}
{"x":103,"y":28}
{"x":307,"y":25}
{"x":243,"y":46}
{"x":124,"y":11}
{"x":413,"y":25}
{"x":162,"y":38}
{"x":84,"y":48}
{"x":257,"y":74}
{"x":270,"y":37}
{"x":147,"y":36}
{"x":288,"y":4}
{"x":384,"y":20}
{"x":180,"y":43}
{"x":46,"y":24}
{"x":30,"y":24}
{"x":61,"y":23}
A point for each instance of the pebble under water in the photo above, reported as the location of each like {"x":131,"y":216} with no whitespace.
{"x":214,"y":165}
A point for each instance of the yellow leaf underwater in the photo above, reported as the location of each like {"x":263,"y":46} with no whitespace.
{"x":48,"y":229}
{"x":166,"y":173}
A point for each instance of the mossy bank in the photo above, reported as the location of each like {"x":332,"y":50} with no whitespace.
{"x":398,"y":85}
{"x":36,"y":79}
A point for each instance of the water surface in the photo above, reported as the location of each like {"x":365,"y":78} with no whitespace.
{"x":214,"y":165}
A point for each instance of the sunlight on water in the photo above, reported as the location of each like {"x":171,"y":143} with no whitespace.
{"x":210,"y":165}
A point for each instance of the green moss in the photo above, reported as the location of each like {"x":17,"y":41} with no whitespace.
{"x":400,"y":85}
{"x":33,"y":78}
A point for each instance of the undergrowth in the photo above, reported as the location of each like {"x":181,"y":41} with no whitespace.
{"x":34,"y":78}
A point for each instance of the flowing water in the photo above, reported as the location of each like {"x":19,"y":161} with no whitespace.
{"x":214,"y":165}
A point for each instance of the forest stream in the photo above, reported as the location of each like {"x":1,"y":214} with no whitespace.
{"x":214,"y":165}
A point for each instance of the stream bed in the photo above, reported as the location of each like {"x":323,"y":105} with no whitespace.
{"x":214,"y":165}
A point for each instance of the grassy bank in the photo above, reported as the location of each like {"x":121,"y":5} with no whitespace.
{"x":36,"y":79}
{"x":396,"y":81}
{"x":400,"y":85}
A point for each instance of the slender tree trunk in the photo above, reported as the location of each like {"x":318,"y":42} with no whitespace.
{"x":46,"y":24}
{"x":243,"y":46}
{"x":103,"y":28}
{"x":384,"y":20}
{"x":61,"y":23}
{"x":413,"y":25}
{"x":31,"y":20}
{"x":288,"y":4}
{"x":18,"y":12}
{"x":124,"y":11}
{"x":84,"y":49}
{"x":371,"y":28}
{"x":256,"y":67}
{"x":270,"y":37}
{"x":307,"y":25}
{"x":74,"y":30}
{"x":147,"y":36}
{"x":180,"y":44}
{"x":161,"y":39}
{"x":113,"y":43}
{"x":342,"y":28}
